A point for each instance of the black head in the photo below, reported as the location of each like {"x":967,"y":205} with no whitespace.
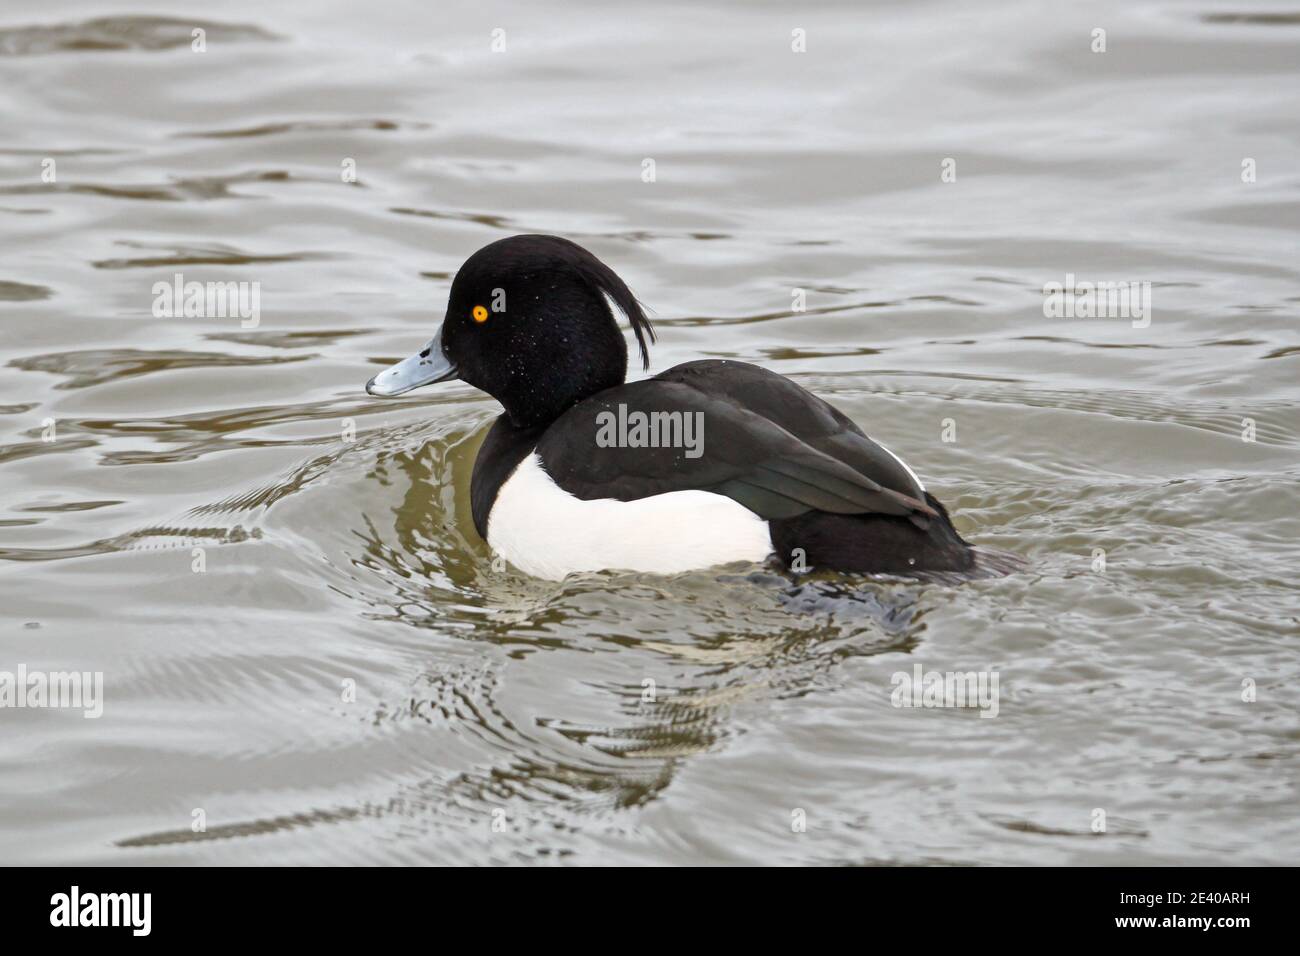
{"x":528,"y":321}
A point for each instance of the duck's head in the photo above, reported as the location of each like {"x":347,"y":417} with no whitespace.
{"x":528,"y":321}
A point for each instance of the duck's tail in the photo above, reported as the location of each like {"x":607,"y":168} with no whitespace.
{"x":992,"y":563}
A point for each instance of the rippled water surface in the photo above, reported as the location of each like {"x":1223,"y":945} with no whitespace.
{"x":498,"y":718}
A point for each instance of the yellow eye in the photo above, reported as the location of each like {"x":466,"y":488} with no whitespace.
{"x":479,"y":313}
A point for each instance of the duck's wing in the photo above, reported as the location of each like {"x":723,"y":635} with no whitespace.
{"x":798,"y":411}
{"x":690,"y":429}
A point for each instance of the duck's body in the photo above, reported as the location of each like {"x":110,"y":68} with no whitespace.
{"x":707,"y":463}
{"x":773,"y":461}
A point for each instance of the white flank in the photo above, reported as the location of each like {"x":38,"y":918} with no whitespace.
{"x":544,"y":531}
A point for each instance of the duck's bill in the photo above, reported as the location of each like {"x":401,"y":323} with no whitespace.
{"x":425,"y":367}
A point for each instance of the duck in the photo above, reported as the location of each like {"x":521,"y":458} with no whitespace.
{"x":708,"y":463}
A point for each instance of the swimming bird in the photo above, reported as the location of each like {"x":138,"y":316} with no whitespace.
{"x":707,"y":463}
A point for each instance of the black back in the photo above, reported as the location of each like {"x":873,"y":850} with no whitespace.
{"x":767,"y":443}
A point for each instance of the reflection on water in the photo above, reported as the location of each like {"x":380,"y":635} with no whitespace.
{"x":121,"y":33}
{"x":307,"y":647}
{"x":422,"y":569}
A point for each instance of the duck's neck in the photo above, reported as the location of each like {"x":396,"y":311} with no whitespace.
{"x":505,"y":446}
{"x":537,"y":387}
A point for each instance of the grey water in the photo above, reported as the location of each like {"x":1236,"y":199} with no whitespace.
{"x":309,"y":657}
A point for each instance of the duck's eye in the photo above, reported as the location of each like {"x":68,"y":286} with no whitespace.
{"x":479,"y":313}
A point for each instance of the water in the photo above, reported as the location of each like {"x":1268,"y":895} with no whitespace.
{"x":484,"y":697}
